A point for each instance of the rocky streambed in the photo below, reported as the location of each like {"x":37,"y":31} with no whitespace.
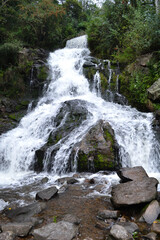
{"x":79,"y":208}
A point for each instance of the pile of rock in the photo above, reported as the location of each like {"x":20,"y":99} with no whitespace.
{"x":137,"y":191}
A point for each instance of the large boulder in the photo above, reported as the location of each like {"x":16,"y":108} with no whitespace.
{"x":154,"y":91}
{"x":134,"y":192}
{"x":130,"y":174}
{"x":19,"y":229}
{"x":25,"y":213}
{"x":98,"y":150}
{"x":56,"y":231}
{"x":70,"y":116}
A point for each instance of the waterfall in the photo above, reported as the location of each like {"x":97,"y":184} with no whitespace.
{"x":66,"y":82}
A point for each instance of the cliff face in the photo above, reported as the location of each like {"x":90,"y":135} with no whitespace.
{"x":20,"y":84}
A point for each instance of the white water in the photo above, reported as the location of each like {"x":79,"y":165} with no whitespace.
{"x":133,"y":129}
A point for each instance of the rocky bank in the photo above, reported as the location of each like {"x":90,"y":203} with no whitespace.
{"x":73,"y":213}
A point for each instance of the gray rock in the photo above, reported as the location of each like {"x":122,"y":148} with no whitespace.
{"x":47,"y":194}
{"x":130,"y":174}
{"x":72,"y":181}
{"x":71,"y":219}
{"x":24,"y":214}
{"x":72,"y":114}
{"x":19,"y":229}
{"x":56,"y":231}
{"x":98,"y":150}
{"x":154,"y":91}
{"x":44,"y":180}
{"x":88,"y":64}
{"x":120,"y":233}
{"x":151,"y":213}
{"x":63,"y":188}
{"x":107,"y":214}
{"x":156,"y":227}
{"x":150,"y":236}
{"x":7,"y":236}
{"x":131,"y":227}
{"x":134,"y":192}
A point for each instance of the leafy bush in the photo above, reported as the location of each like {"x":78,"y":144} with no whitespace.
{"x":9,"y":53}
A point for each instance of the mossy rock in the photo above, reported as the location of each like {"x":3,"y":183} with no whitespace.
{"x":98,"y":150}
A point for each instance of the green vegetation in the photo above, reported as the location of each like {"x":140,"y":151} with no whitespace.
{"x":120,"y":30}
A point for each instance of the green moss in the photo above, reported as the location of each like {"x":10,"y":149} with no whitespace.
{"x":83,"y":162}
{"x":109,"y":137}
{"x":104,"y":82}
{"x":156,"y":106}
{"x":102,"y":162}
{"x":42,"y":73}
{"x":16,"y":116}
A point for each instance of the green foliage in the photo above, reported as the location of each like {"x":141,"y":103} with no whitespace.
{"x":9,"y":53}
{"x":55,"y":219}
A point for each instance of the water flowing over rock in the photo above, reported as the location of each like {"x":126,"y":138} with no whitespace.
{"x":98,"y":150}
{"x":65,"y":118}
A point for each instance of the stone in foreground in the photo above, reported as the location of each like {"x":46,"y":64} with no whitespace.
{"x":130,"y":174}
{"x":118,"y":232}
{"x":107,"y":214}
{"x":19,"y":229}
{"x":134,"y":192}
{"x":47,"y":194}
{"x":150,"y":236}
{"x":131,"y":227}
{"x":156,"y":227}
{"x":56,"y":231}
{"x":25,"y":214}
{"x":7,"y":236}
{"x":151,"y":213}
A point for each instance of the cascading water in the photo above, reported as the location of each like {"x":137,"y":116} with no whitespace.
{"x":133,"y":129}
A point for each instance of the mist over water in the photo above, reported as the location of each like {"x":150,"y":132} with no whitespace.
{"x":133,"y":129}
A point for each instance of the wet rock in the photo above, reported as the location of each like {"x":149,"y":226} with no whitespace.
{"x":47,"y":194}
{"x":71,"y":219}
{"x":63,"y":188}
{"x":130,"y":174}
{"x":24,"y":214}
{"x":88,"y":64}
{"x":98,"y":150}
{"x":7,"y":236}
{"x":150,"y":236}
{"x":68,"y":180}
{"x":72,"y":181}
{"x":120,"y":233}
{"x":70,"y":116}
{"x":131,"y":227}
{"x":44,"y":180}
{"x":154,"y":91}
{"x":151,"y":213}
{"x":107,"y":214}
{"x":156,"y":227}
{"x":19,"y":229}
{"x":134,"y":192}
{"x":56,"y":231}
